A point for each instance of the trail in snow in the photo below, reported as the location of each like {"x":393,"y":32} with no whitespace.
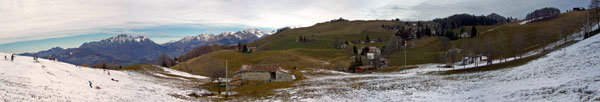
{"x":568,"y":74}
{"x":27,"y":80}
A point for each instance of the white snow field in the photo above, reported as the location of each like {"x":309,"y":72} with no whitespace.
{"x":570,"y":74}
{"x":26,"y":80}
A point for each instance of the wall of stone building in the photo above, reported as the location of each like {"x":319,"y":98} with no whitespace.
{"x":280,"y":76}
{"x":260,"y":76}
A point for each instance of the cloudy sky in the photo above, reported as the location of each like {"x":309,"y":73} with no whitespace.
{"x":33,"y":25}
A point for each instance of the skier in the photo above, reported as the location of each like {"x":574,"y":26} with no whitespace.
{"x":12,"y":57}
{"x":90,"y":84}
{"x":5,"y":57}
{"x":108,"y":73}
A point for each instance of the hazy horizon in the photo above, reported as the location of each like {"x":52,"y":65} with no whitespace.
{"x":30,"y":26}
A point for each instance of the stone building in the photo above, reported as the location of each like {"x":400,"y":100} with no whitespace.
{"x":263,"y":73}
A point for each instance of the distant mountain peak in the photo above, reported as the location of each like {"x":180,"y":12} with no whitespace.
{"x":252,"y":33}
{"x":126,"y":38}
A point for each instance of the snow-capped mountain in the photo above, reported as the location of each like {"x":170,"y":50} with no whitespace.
{"x":226,"y":38}
{"x":126,"y":49}
{"x":248,"y":34}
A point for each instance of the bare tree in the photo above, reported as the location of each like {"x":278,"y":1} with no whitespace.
{"x":445,"y":47}
{"x":542,"y":38}
{"x":594,"y":12}
{"x":490,"y":50}
{"x":215,"y":69}
{"x":392,"y":46}
{"x":517,"y":43}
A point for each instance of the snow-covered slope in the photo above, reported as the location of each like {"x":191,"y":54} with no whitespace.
{"x":570,"y":74}
{"x":26,"y":80}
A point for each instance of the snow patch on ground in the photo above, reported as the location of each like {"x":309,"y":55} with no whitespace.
{"x":180,"y":73}
{"x":26,"y":80}
{"x":568,"y":74}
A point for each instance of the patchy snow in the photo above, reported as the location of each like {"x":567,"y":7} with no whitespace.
{"x":26,"y":80}
{"x":183,"y":74}
{"x":568,"y":74}
{"x":527,"y":21}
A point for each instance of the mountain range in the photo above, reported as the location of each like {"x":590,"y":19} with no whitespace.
{"x":126,"y":49}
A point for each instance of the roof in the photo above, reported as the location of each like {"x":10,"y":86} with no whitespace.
{"x":262,"y":68}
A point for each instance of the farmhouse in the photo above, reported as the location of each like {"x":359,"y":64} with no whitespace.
{"x":263,"y":73}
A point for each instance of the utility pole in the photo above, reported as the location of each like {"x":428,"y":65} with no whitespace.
{"x":227,"y":81}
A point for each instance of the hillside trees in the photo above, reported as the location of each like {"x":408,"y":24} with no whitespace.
{"x":165,"y":60}
{"x":460,"y":20}
{"x":543,"y":13}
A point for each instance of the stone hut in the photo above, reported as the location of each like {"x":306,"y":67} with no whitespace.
{"x":263,"y":73}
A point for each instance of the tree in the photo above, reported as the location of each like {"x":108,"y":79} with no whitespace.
{"x":391,"y":46}
{"x":245,"y":49}
{"x":517,"y":43}
{"x":473,"y":31}
{"x":367,"y":39}
{"x":355,"y":50}
{"x":365,"y":50}
{"x":165,"y":60}
{"x":164,"y":64}
{"x":215,"y":71}
{"x":450,"y":35}
{"x":542,"y":38}
{"x":594,"y":11}
{"x":239,"y":46}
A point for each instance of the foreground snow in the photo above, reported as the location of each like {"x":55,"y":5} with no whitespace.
{"x":26,"y":80}
{"x":568,"y":74}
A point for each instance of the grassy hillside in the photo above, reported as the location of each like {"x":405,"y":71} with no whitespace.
{"x":286,"y":59}
{"x":325,"y":34}
{"x":503,"y":36}
{"x":283,"y":49}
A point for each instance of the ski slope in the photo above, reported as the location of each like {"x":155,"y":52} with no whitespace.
{"x":570,"y":74}
{"x":26,"y":80}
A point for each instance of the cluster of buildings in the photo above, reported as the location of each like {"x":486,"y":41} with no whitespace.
{"x":371,"y":59}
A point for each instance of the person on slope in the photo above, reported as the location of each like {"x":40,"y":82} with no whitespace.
{"x":90,"y":84}
{"x":108,"y":73}
{"x":5,"y":57}
{"x":12,"y":57}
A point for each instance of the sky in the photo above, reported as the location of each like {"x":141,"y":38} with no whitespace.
{"x":34,"y":25}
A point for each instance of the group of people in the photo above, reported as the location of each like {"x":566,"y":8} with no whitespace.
{"x":35,"y":57}
{"x":98,"y":87}
{"x":12,"y":57}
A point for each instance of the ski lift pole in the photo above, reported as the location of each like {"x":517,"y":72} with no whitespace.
{"x":227,"y":81}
